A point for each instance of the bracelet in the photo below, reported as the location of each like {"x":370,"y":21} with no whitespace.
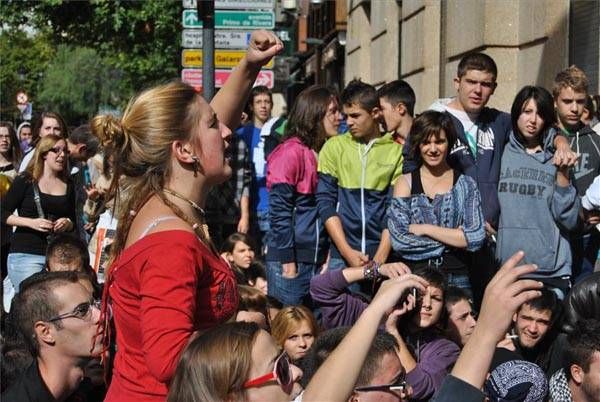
{"x":371,"y":270}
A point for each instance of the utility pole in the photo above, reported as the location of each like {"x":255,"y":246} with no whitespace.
{"x":206,"y":11}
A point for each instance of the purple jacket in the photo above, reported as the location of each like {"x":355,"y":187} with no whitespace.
{"x":339,"y":307}
{"x":435,"y":357}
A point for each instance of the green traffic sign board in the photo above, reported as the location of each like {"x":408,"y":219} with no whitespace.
{"x":232,"y":19}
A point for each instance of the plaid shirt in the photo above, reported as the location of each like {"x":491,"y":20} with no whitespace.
{"x":223,"y":202}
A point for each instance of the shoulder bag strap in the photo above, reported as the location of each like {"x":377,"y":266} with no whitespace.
{"x":36,"y":198}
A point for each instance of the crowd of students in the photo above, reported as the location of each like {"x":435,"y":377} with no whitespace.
{"x":353,"y":250}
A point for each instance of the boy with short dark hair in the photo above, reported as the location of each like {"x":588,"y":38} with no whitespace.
{"x":352,"y":197}
{"x":397,"y":100}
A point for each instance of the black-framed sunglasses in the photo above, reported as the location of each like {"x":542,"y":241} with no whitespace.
{"x":82,"y":311}
{"x":58,"y":150}
{"x":398,"y":385}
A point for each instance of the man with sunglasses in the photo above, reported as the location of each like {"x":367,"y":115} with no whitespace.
{"x":57,"y":317}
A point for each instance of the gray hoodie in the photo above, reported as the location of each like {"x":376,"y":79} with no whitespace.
{"x":536,"y":214}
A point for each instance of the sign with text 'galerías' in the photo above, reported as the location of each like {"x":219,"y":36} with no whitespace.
{"x":236,"y":4}
{"x":223,"y":58}
{"x":193,"y":77}
{"x":192,"y":39}
{"x":225,"y":19}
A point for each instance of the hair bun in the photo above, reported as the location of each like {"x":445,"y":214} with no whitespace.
{"x":108,"y":129}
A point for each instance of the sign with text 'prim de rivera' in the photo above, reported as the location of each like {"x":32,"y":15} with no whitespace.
{"x":232,"y":19}
{"x":236,"y":4}
{"x":193,"y":77}
{"x":223,"y":58}
{"x":192,"y":38}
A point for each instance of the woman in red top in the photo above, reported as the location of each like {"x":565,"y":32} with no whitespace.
{"x":166,"y":281}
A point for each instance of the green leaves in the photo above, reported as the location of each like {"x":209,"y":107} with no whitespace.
{"x":133,"y":44}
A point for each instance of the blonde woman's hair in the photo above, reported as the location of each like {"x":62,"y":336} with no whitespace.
{"x":35,"y":168}
{"x":215,"y":365}
{"x":140,"y":143}
{"x":288,"y":319}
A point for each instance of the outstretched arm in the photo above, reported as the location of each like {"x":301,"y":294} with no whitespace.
{"x":346,"y":361}
{"x":229,"y":102}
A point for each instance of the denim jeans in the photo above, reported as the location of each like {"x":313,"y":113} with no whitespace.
{"x":21,"y":266}
{"x":290,"y":291}
{"x":460,"y":281}
{"x":336,"y":264}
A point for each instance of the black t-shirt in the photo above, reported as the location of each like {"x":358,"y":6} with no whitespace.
{"x":29,"y":387}
{"x":20,"y":197}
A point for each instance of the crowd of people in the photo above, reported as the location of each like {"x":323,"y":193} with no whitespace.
{"x":352,"y":250}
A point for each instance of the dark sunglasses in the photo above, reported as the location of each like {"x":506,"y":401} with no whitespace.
{"x":282,"y":373}
{"x":398,"y":385}
{"x":58,"y":150}
{"x":82,"y":311}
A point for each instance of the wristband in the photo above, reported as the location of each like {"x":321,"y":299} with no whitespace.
{"x":371,"y":270}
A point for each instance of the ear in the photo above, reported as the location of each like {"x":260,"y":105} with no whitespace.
{"x":354,"y":397}
{"x":401,"y":109}
{"x":43,"y":332}
{"x":514,"y":317}
{"x":376,"y":113}
{"x":182,"y":150}
{"x":456,"y":83}
{"x":494,"y":87}
{"x":577,"y":374}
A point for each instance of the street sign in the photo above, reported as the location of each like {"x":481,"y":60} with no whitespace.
{"x":236,"y":4}
{"x":192,"y":38}
{"x":232,"y":19}
{"x":223,"y":58}
{"x":194,"y":77}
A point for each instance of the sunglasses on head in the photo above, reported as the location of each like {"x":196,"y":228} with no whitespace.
{"x":282,"y":373}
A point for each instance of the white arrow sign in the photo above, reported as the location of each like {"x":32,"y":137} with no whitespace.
{"x":192,"y":39}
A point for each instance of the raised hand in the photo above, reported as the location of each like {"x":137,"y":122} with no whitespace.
{"x":394,"y":269}
{"x":263,"y":45}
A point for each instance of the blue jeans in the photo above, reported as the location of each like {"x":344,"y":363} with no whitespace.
{"x":21,"y":266}
{"x":290,"y":291}
{"x":460,"y":281}
{"x":336,"y":264}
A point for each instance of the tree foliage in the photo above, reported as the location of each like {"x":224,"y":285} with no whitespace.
{"x":23,"y":61}
{"x":77,"y":82}
{"x":138,"y":38}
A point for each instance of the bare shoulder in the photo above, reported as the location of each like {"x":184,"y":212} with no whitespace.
{"x":403,"y":186}
{"x":155,"y":217}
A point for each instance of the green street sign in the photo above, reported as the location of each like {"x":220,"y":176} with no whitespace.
{"x":232,"y":19}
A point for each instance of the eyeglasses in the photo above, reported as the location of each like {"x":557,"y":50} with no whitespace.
{"x":83,"y":311}
{"x":282,"y":373}
{"x":398,"y":385}
{"x":58,"y":150}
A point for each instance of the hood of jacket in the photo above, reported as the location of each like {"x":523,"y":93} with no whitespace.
{"x":547,"y":145}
